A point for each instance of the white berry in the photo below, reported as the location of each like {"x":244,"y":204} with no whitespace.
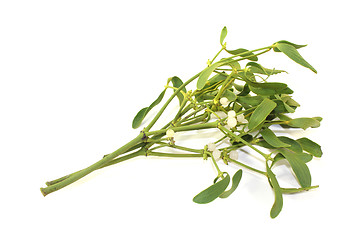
{"x":240,"y":118}
{"x":224,"y":101}
{"x":216,"y":154}
{"x":231,"y":114}
{"x":170,"y":133}
{"x":233,"y":154}
{"x":211,"y":146}
{"x":231,"y":122}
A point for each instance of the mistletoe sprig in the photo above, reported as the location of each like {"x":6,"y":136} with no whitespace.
{"x":241,"y":102}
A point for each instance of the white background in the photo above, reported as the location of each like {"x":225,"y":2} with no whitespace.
{"x":74,"y":73}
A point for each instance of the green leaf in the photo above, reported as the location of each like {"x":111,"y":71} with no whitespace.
{"x":229,"y":95}
{"x":292,"y":53}
{"x":278,"y":203}
{"x":235,"y":183}
{"x":245,"y":91}
{"x":250,"y":100}
{"x":223,"y":35}
{"x":287,"y":42}
{"x":216,"y":78}
{"x":143,"y":112}
{"x":212,"y":192}
{"x":260,"y":113}
{"x":139,"y":117}
{"x":262,"y":91}
{"x":265,"y":71}
{"x":304,"y":123}
{"x":294,"y":145}
{"x":257,"y":68}
{"x":245,"y":52}
{"x":311,"y":147}
{"x":270,"y":137}
{"x":177,"y":83}
{"x":234,"y":65}
{"x":299,"y":167}
{"x":297,"y":190}
{"x":205,"y":74}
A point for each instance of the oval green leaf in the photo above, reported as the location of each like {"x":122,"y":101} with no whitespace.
{"x":243,"y":53}
{"x":212,"y":192}
{"x":294,"y":145}
{"x":260,"y":113}
{"x":278,"y":203}
{"x":262,"y":91}
{"x":299,"y":167}
{"x":235,"y":183}
{"x":290,"y":51}
{"x":177,"y":83}
{"x":223,"y":35}
{"x":304,"y":123}
{"x":250,"y":100}
{"x":297,"y":46}
{"x":270,"y":137}
{"x":311,"y":147}
{"x":205,"y":74}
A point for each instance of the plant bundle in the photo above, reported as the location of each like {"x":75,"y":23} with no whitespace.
{"x":241,"y":102}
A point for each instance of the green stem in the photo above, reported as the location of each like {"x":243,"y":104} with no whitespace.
{"x":297,"y":190}
{"x":168,"y":101}
{"x":140,"y":152}
{"x":186,"y":118}
{"x":223,"y":87}
{"x":220,"y":173}
{"x":185,"y":128}
{"x":217,"y":55}
{"x":82,"y":173}
{"x":160,"y":154}
{"x":197,"y":119}
{"x":239,"y":139}
{"x":246,"y":166}
{"x":243,"y":58}
{"x":182,"y":148}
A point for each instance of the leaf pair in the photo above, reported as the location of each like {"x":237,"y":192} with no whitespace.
{"x":218,"y":189}
{"x":143,"y":112}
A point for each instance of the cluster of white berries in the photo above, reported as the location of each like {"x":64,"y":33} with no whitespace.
{"x":217,"y":154}
{"x":231,"y":121}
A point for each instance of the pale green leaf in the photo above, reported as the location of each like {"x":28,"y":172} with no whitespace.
{"x":297,"y":46}
{"x":205,"y":74}
{"x":243,"y":53}
{"x":223,"y":35}
{"x":293,"y":54}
